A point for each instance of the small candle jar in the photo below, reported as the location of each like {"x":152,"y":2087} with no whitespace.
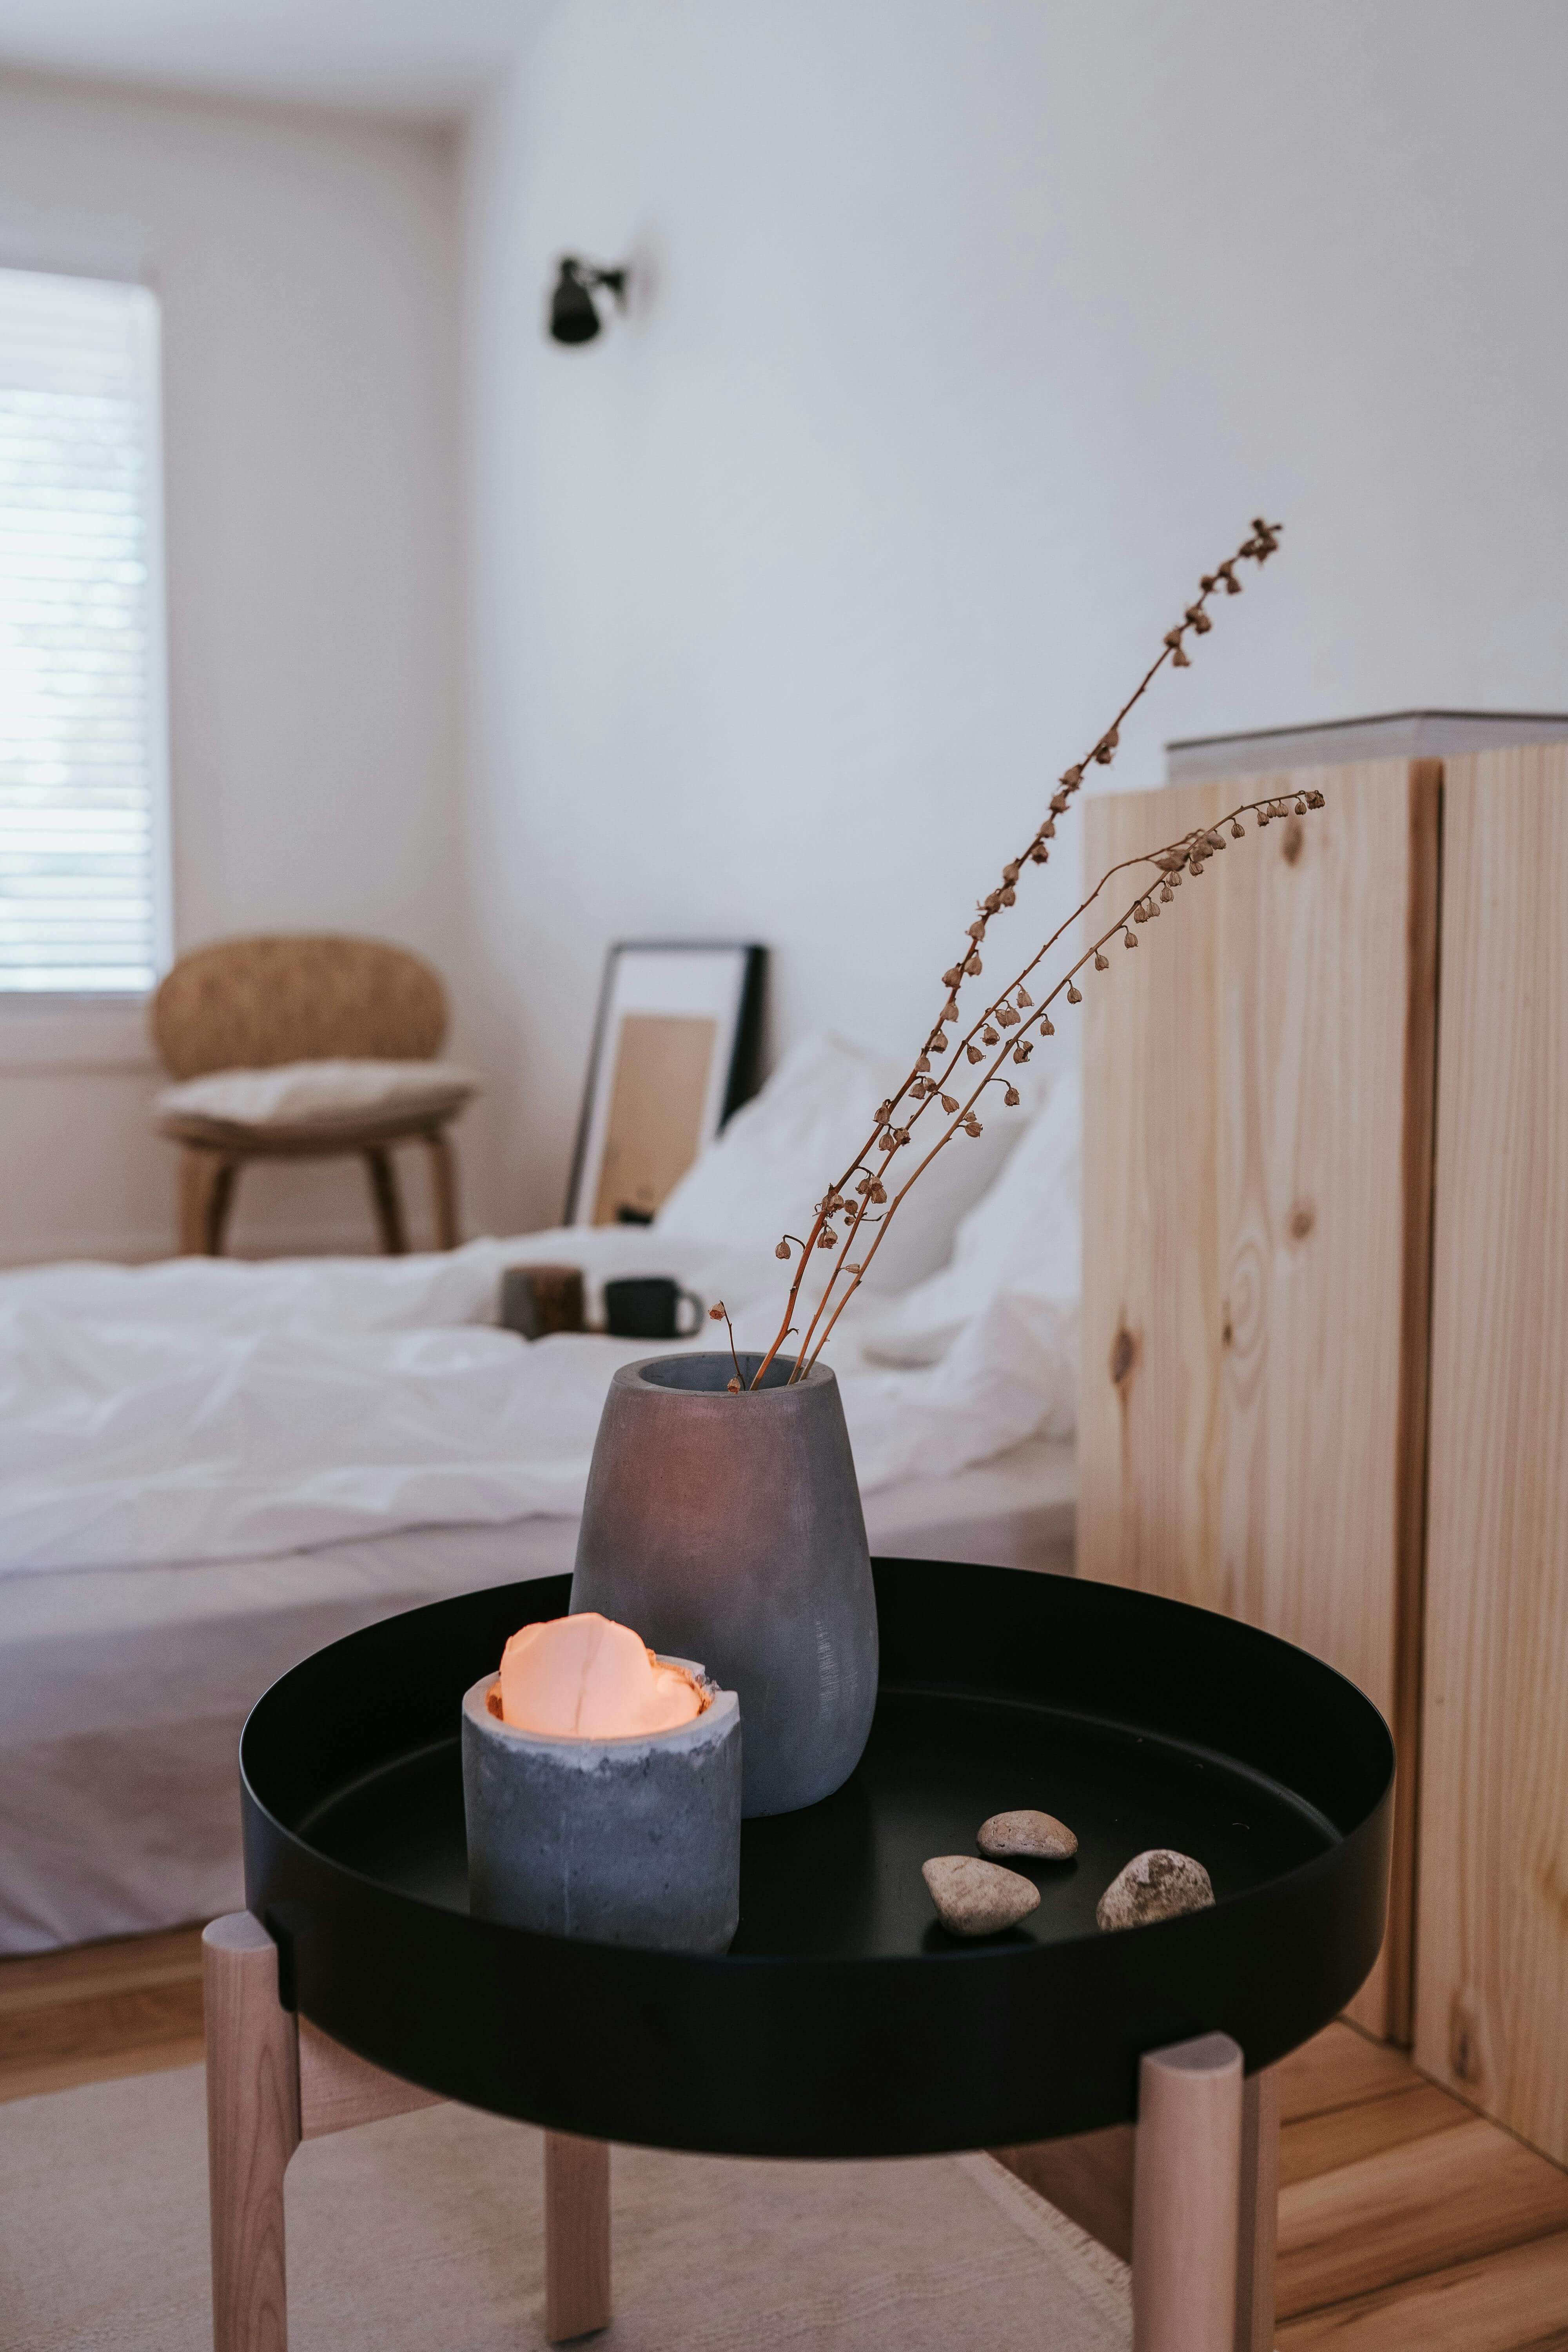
{"x":632,"y":1839}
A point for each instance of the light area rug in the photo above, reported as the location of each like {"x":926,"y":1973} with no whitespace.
{"x":425,"y":2231}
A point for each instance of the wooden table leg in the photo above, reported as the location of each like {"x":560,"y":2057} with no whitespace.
{"x":253,"y":2129}
{"x":1258,"y":2220}
{"x":576,"y":2235}
{"x":1186,"y":2188}
{"x":273,"y":2080}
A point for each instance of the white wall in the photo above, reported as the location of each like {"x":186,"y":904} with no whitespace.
{"x":307,"y":269}
{"x":963,"y":337}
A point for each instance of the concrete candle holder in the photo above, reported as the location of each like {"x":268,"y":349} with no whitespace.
{"x":630,"y":1840}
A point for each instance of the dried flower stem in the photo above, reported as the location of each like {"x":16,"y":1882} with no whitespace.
{"x":1190,"y":853}
{"x":714,"y":1312}
{"x":1001,"y":1017}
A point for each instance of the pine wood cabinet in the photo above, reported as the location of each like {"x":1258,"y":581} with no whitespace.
{"x":1325,"y":1380}
{"x":1491,"y":1978}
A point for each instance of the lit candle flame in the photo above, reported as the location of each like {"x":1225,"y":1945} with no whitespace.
{"x":586,"y":1678}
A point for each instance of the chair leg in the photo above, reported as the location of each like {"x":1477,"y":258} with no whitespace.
{"x":253,"y":2129}
{"x":1187,"y":2191}
{"x":443,"y":1188}
{"x":224,"y":1191}
{"x":576,"y":2235}
{"x":388,"y":1206}
{"x":206,"y":1194}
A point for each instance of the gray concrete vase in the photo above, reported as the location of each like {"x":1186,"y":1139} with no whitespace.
{"x":731,"y":1527}
{"x":633,"y":1840}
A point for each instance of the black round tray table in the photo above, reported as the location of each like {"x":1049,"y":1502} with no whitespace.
{"x":845,"y":2021}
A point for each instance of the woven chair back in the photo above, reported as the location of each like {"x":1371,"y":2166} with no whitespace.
{"x":250,"y":1004}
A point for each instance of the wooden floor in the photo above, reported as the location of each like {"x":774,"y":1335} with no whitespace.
{"x":98,"y":2011}
{"x":1407,"y":2223}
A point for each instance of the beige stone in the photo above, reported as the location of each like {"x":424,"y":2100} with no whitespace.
{"x":977,"y":1899}
{"x":1158,"y":1884}
{"x":1039,"y":1835}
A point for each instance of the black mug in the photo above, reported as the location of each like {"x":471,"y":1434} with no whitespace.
{"x":647,"y":1306}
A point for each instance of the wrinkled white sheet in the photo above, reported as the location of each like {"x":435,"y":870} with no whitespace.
{"x":204,"y":1410}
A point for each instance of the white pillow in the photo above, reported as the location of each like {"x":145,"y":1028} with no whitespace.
{"x":1023,"y":1240}
{"x":762,"y":1175}
{"x":322,"y":1094}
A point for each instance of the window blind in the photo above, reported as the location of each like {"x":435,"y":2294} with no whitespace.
{"x":83,"y":781}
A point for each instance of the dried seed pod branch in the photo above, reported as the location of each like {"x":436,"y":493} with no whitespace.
{"x":1001,"y":1015}
{"x":715,"y":1312}
{"x":1190,"y":854}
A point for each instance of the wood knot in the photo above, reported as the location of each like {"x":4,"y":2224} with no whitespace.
{"x":1466,"y":2056}
{"x":1303,"y":1217}
{"x":1295,"y":840}
{"x":1123,"y":1355}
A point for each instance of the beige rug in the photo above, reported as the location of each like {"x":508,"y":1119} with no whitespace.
{"x":425,"y":2232}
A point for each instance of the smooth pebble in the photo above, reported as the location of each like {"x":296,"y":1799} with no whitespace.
{"x":1154,"y":1886}
{"x":977,"y":1899}
{"x":1039,"y":1835}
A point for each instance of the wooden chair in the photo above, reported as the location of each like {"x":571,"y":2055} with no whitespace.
{"x":254,"y":1005}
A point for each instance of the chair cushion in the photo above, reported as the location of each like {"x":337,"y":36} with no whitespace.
{"x":320,"y":1093}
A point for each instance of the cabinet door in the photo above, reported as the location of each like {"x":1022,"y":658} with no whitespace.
{"x":1257,"y":1189}
{"x":1492,"y":1977}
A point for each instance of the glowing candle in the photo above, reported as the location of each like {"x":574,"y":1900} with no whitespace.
{"x":586,"y":1678}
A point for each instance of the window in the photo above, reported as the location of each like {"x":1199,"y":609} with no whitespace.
{"x":83,"y":783}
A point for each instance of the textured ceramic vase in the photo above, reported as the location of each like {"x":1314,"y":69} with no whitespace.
{"x":634,"y":1841}
{"x":729,"y":1528}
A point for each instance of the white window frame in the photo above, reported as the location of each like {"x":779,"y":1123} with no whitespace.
{"x":50,"y":1028}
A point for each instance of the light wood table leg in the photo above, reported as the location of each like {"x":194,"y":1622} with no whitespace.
{"x":253,"y":2129}
{"x":576,"y":2235}
{"x":1258,"y":2219}
{"x":1186,"y":2189}
{"x":274,"y":2079}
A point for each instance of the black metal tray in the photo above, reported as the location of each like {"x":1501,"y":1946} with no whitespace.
{"x":845,"y":2021}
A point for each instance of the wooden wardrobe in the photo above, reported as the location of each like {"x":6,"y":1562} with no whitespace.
{"x":1325,"y":1380}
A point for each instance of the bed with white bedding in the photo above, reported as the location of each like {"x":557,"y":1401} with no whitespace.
{"x":123,"y":1691}
{"x":208,"y":1469}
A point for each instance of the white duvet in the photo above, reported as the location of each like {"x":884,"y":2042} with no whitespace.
{"x":204,"y":1410}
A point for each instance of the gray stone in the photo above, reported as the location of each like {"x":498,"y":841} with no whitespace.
{"x":616,"y":1840}
{"x":729,"y":1527}
{"x":977,"y":1899}
{"x":1039,"y":1835}
{"x":1158,"y":1884}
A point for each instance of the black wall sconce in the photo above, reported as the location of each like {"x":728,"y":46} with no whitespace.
{"x":574,"y":313}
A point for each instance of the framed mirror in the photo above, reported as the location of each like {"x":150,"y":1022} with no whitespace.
{"x":674,"y":1052}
